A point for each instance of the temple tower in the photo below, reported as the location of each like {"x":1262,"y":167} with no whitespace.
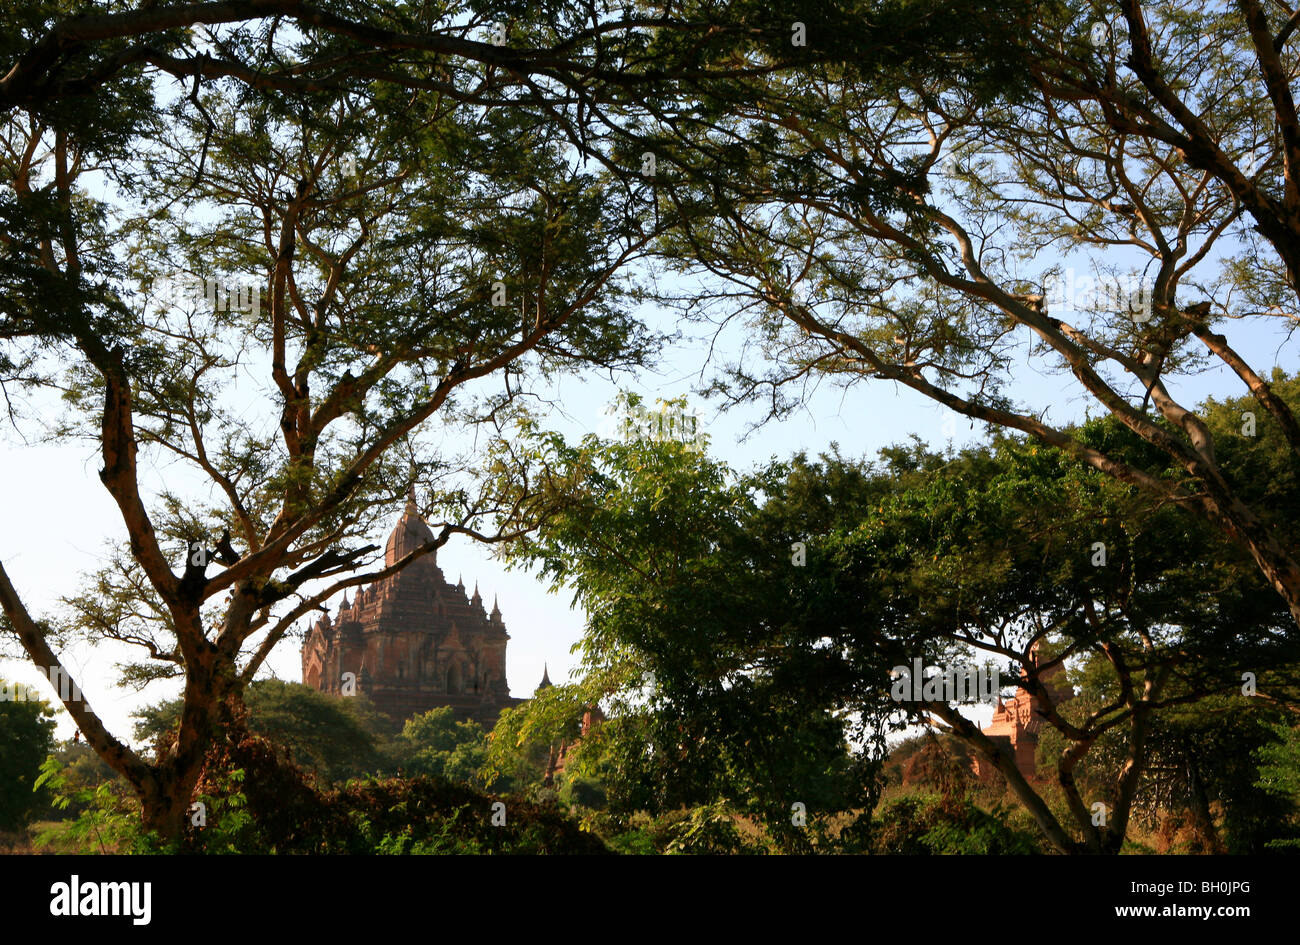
{"x":412,"y":641}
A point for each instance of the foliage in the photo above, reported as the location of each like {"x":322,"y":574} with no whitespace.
{"x":334,"y":738}
{"x":108,"y":820}
{"x":225,"y":822}
{"x":1110,"y":212}
{"x":710,"y":829}
{"x":927,"y":762}
{"x":26,"y":737}
{"x":1279,"y":775}
{"x":890,"y":201}
{"x":929,"y":824}
{"x":524,"y":744}
{"x":577,"y":791}
{"x":1280,"y":768}
{"x":363,"y":231}
{"x":437,"y":745}
{"x":1200,"y":766}
{"x":754,"y":614}
{"x":707,"y":653}
{"x":82,"y":772}
{"x":278,"y":811}
{"x":997,"y":549}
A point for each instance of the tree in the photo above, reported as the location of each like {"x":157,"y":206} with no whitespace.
{"x":1011,"y":548}
{"x":251,"y":194}
{"x":295,"y":155}
{"x":919,"y":824}
{"x":894,"y":221}
{"x":705,"y":655}
{"x":1279,"y":775}
{"x":26,"y":738}
{"x":524,"y":746}
{"x":767,"y":621}
{"x":81,"y":774}
{"x":1201,"y":769}
{"x":436,"y":744}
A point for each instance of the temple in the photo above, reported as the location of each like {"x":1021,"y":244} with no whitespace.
{"x":1015,"y":725}
{"x":412,"y":641}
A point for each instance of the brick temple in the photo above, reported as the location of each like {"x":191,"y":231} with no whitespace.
{"x":414,"y":641}
{"x":1015,"y":724}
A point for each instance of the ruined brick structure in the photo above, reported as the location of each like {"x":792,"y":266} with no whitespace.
{"x":1016,"y":724}
{"x":559,"y":751}
{"x":413,"y":640}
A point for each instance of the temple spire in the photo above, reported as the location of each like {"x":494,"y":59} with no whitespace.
{"x":410,"y":501}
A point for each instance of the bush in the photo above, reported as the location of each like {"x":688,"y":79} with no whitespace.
{"x":927,"y":824}
{"x":279,"y":811}
{"x":106,"y":816}
{"x":582,"y":792}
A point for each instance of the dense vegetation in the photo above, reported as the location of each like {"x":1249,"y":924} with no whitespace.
{"x":759,"y":614}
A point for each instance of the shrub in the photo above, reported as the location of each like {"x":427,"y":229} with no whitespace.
{"x":927,"y":824}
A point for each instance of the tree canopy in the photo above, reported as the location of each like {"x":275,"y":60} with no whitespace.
{"x":896,"y":224}
{"x":760,"y":615}
{"x":26,"y":738}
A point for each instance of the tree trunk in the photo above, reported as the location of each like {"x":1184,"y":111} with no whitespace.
{"x":212,"y":712}
{"x":1202,"y":818}
{"x":165,"y":805}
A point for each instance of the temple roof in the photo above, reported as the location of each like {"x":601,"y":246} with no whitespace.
{"x":411,"y":532}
